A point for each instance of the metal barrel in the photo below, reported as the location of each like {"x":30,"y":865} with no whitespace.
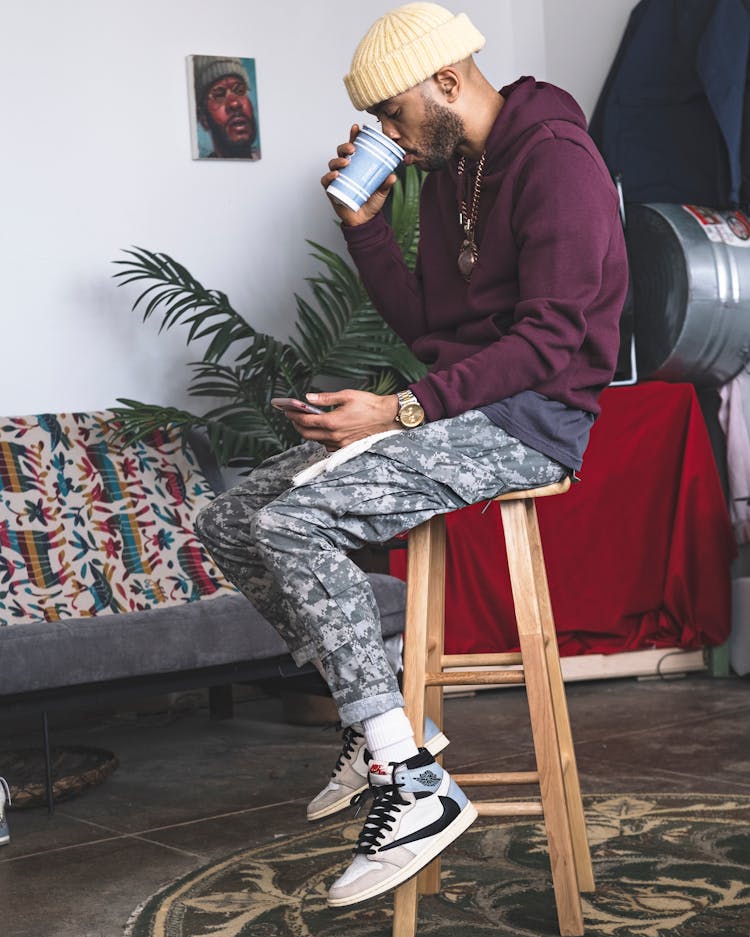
{"x":690,"y":270}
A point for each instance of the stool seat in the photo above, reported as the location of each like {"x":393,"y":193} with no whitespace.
{"x":536,"y":667}
{"x":545,"y":491}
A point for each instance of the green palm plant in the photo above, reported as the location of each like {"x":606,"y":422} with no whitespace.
{"x":339,"y":338}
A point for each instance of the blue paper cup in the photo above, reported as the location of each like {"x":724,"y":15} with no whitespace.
{"x":375,"y":157}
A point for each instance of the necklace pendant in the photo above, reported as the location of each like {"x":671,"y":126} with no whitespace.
{"x":467,"y":258}
{"x":467,"y":217}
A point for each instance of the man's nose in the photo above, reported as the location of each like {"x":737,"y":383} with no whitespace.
{"x":389,"y":128}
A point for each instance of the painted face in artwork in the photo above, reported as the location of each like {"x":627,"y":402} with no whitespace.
{"x":228,"y":115}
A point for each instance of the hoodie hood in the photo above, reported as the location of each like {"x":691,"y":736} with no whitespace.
{"x":530,"y":107}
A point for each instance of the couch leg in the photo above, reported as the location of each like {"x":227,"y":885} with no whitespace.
{"x":48,"y":764}
{"x":220,"y":703}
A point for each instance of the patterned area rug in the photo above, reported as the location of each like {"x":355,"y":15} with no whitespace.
{"x":75,"y":768}
{"x":664,"y":865}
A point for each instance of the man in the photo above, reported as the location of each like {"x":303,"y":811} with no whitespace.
{"x":520,"y":282}
{"x":224,"y":108}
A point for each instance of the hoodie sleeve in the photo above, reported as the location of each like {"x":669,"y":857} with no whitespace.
{"x":395,"y":291}
{"x":564,"y":220}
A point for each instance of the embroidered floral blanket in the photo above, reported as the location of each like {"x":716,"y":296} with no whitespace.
{"x":89,"y":526}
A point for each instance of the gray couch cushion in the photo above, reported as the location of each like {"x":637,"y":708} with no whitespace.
{"x":204,"y":633}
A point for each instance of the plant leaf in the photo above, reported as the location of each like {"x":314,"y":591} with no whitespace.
{"x":339,"y":339}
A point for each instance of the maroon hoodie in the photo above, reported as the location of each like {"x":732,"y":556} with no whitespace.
{"x":542,"y":308}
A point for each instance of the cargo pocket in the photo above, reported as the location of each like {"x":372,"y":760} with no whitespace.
{"x":348,"y":586}
{"x":465,"y":477}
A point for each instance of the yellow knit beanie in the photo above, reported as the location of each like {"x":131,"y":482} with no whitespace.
{"x":406,"y":46}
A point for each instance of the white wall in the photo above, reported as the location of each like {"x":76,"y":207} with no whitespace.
{"x":582,"y":39}
{"x":96,"y":157}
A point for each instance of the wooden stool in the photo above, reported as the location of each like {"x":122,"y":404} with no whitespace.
{"x":424,"y":678}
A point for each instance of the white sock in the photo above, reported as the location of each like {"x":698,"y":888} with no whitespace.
{"x":390,"y":736}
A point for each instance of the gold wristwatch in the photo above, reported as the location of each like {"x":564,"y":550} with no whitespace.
{"x":410,"y":410}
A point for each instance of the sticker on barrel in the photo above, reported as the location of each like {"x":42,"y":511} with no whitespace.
{"x":730,"y":227}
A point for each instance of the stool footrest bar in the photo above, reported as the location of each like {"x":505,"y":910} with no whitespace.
{"x":480,"y":660}
{"x":520,"y":808}
{"x":487,"y":779}
{"x":474,"y":677}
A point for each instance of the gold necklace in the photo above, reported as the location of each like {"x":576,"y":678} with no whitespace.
{"x":469,"y":253}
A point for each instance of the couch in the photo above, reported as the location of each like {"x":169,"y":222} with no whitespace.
{"x":105,"y":592}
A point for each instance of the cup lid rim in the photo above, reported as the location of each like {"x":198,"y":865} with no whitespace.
{"x":391,"y":144}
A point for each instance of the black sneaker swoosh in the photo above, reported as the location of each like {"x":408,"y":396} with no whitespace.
{"x":450,"y":811}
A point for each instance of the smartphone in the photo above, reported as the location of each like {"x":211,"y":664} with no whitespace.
{"x":290,"y":403}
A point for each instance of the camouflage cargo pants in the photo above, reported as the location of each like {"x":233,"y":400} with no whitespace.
{"x":286,"y":548}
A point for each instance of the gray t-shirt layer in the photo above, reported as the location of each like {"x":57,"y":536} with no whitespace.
{"x":550,"y":427}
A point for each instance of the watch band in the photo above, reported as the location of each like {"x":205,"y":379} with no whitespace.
{"x":406,"y":397}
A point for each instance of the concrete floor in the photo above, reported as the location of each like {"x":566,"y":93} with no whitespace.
{"x":188,"y":788}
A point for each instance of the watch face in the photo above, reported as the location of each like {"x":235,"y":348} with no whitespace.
{"x":411,"y":415}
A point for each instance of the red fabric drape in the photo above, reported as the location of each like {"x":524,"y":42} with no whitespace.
{"x":637,"y":553}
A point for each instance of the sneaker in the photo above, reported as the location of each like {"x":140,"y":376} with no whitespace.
{"x":349,"y":777}
{"x":4,"y":798}
{"x":417,"y":811}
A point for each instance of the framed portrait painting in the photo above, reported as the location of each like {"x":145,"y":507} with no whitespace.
{"x":223,"y":96}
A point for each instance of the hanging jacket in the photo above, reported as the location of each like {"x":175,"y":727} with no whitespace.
{"x":671,"y":116}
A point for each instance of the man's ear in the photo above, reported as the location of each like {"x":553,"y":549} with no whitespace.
{"x":449,"y":81}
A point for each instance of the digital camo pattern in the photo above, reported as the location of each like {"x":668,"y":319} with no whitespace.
{"x":286,"y":548}
{"x":665,"y":866}
{"x":89,"y":527}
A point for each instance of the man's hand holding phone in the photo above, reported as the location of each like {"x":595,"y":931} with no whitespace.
{"x":355,"y":415}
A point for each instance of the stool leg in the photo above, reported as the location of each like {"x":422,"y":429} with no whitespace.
{"x":424,"y":603}
{"x":562,"y":719}
{"x":428,"y":882}
{"x":544,"y":730}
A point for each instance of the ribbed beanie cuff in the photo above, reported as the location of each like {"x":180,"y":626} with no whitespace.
{"x":405,"y":47}
{"x":210,"y":68}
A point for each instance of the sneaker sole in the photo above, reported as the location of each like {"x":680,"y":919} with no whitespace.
{"x":436,"y":744}
{"x":462,"y":822}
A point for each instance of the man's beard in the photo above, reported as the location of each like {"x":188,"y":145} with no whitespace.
{"x":237,"y":148}
{"x":442,"y":132}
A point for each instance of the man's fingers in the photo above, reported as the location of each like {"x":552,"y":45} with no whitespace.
{"x":307,"y":420}
{"x":329,"y":399}
{"x":337,"y":163}
{"x":313,"y":429}
{"x":388,"y":184}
